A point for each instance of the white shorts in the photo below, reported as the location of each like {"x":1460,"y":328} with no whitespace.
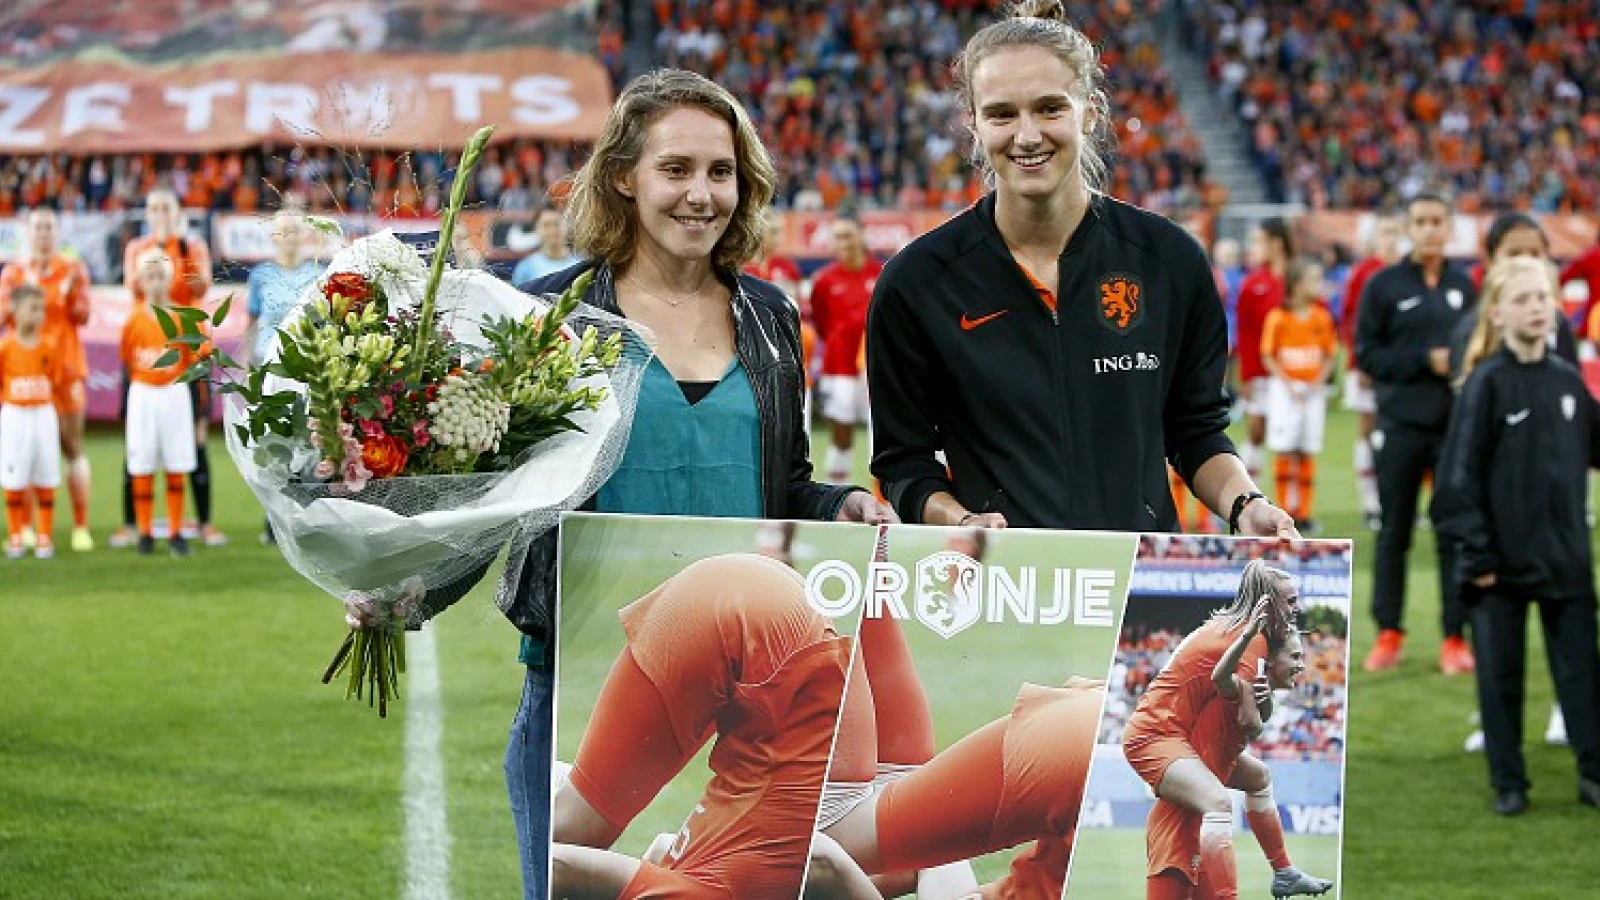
{"x":160,"y":429}
{"x":1295,"y":424}
{"x":1256,"y":403}
{"x":1359,"y":397}
{"x":844,"y":398}
{"x":30,"y":447}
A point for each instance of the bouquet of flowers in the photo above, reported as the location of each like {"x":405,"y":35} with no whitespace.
{"x":411,"y":421}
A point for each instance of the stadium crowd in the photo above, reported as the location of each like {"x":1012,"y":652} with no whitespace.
{"x":1362,"y":104}
{"x":855,"y":101}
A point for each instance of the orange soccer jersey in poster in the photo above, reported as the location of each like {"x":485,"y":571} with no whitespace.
{"x":1164,"y":725}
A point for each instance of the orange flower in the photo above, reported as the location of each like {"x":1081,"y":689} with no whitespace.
{"x":385,"y":455}
{"x":352,"y":286}
{"x":486,"y":366}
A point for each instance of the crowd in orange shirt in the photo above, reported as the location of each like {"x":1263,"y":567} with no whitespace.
{"x":855,"y":99}
{"x":1358,"y":104}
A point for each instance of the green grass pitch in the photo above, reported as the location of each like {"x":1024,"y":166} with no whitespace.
{"x":164,"y":734}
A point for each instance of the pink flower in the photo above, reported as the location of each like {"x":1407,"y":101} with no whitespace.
{"x":346,"y":430}
{"x":419,"y":433}
{"x":352,"y":447}
{"x":370,"y":428}
{"x":324,"y":470}
{"x":388,"y":406}
{"x":356,"y":475}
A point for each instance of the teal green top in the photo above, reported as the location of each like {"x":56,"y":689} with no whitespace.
{"x":683,"y":459}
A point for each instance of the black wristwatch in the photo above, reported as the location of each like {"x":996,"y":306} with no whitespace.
{"x":1239,"y":503}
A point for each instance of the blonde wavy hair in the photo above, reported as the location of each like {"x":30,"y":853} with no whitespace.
{"x":1259,"y":580}
{"x":604,"y":224}
{"x":1044,"y":24}
{"x":1486,"y":338}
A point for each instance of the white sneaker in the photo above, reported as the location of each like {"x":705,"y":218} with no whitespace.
{"x":1555,"y":734}
{"x":30,"y":538}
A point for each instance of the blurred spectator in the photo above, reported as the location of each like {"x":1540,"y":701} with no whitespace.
{"x":553,"y":254}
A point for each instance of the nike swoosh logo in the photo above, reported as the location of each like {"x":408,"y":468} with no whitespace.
{"x":1409,"y":305}
{"x":1517,"y":417}
{"x":969,"y":324}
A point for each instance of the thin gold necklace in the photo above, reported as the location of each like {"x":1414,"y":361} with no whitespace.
{"x":667,"y":300}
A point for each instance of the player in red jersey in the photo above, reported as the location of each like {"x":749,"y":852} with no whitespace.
{"x":840,"y":295}
{"x":1271,"y":249}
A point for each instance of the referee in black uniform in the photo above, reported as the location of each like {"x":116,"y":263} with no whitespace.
{"x":1403,"y":328}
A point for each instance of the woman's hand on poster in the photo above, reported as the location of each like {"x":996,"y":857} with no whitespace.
{"x":1261,"y":519}
{"x":860,"y":506}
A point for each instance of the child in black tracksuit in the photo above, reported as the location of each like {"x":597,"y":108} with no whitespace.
{"x":1523,"y":435}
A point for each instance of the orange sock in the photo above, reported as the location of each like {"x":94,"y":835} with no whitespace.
{"x":16,"y":512}
{"x":1219,"y":873}
{"x":46,"y":499}
{"x":1308,"y":482}
{"x":175,"y":501}
{"x":904,"y":718}
{"x":1261,"y":810}
{"x":1169,"y":885}
{"x":1268,"y":829}
{"x":78,"y":489}
{"x":1283,"y":469}
{"x":144,"y":501}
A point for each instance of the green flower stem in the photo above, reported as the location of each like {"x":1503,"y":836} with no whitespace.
{"x":447,"y":234}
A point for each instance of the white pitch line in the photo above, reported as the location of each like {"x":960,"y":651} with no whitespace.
{"x":427,"y":848}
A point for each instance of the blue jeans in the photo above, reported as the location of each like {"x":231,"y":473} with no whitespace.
{"x":528,"y":760}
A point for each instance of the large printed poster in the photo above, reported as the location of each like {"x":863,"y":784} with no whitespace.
{"x":776,"y":710}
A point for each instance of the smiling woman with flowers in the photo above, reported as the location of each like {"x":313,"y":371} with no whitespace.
{"x":666,"y":210}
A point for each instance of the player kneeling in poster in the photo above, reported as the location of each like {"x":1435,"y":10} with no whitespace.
{"x":729,"y":646}
{"x":1185,"y":739}
{"x":1018,"y":779}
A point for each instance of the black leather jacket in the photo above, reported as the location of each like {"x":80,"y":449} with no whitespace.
{"x":767,"y":341}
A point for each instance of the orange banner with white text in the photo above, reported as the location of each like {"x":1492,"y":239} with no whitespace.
{"x":342,"y":98}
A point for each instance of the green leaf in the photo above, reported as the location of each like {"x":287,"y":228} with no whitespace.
{"x":192,"y":374}
{"x":169,"y":325}
{"x":243,"y":433}
{"x":189,"y":314}
{"x":221,"y":315}
{"x":188,"y":339}
{"x":224,"y":360}
{"x":168,"y":358}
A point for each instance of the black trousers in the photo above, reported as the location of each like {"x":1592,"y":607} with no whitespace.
{"x":1401,"y":458}
{"x":1500,"y":642}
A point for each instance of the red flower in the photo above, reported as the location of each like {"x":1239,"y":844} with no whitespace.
{"x":352,"y":286}
{"x":384,"y":455}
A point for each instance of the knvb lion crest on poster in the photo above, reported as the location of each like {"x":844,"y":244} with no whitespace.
{"x":777,"y":710}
